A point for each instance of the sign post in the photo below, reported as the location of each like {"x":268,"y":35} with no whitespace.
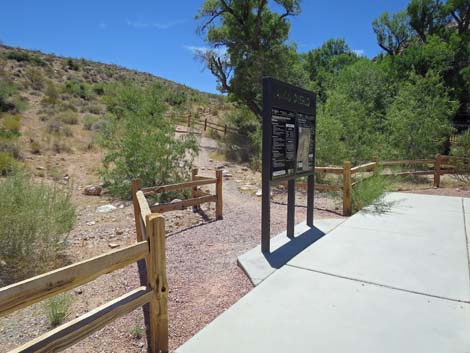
{"x":288,"y":149}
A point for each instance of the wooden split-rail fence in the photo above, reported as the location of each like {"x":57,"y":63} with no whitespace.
{"x":149,"y":249}
{"x":439,"y":166}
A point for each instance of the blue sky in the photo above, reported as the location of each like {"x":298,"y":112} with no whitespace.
{"x":158,"y":36}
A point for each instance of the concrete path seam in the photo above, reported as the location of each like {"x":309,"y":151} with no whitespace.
{"x":381,"y":285}
{"x":466,"y":239}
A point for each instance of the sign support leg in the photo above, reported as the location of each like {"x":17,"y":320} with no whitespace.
{"x":290,"y":207}
{"x":310,"y":199}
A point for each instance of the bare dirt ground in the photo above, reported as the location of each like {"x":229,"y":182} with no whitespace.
{"x":204,"y":279}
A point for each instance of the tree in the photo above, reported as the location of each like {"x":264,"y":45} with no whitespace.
{"x":247,"y":41}
{"x":419,"y":117}
{"x":392,"y":32}
{"x":427,"y":17}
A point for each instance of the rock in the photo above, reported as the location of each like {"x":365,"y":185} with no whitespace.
{"x":228,"y":175}
{"x":175,"y":200}
{"x":245,"y":169}
{"x":238,"y":181}
{"x":92,"y":190}
{"x":211,"y":160}
{"x":113,"y":245}
{"x":66,"y":177}
{"x":219,"y":167}
{"x":119,"y":231}
{"x":40,"y":168}
{"x":259,"y":193}
{"x":105,"y":208}
{"x":92,"y":223}
{"x":78,"y":291}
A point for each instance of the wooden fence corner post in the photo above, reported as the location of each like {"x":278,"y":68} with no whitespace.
{"x":136,"y":185}
{"x":218,"y":193}
{"x":194,"y":188}
{"x":376,"y":166}
{"x":347,"y":202}
{"x":437,"y":171}
{"x":157,"y":281}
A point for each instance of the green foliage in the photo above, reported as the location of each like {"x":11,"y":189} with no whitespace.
{"x":89,"y":121}
{"x":79,"y":89}
{"x":367,"y":191}
{"x":419,"y":117}
{"x":68,"y":117}
{"x":7,"y":164}
{"x":35,"y":219}
{"x":461,"y":148}
{"x":393,"y":32}
{"x":35,"y":78}
{"x":57,"y":308}
{"x":72,"y":64}
{"x":140,"y":141}
{"x":244,"y":146}
{"x":51,"y":94}
{"x":255,"y":37}
{"x":22,"y":56}
{"x":10,"y":125}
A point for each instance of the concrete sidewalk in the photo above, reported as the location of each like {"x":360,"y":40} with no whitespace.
{"x":393,"y":279}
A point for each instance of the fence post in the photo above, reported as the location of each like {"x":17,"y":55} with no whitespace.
{"x":225,"y":129}
{"x":157,"y":281}
{"x":136,"y":185}
{"x":376,"y":166}
{"x":194,"y":188}
{"x":347,"y":205}
{"x":437,"y":171}
{"x":205,"y":124}
{"x":218,"y":193}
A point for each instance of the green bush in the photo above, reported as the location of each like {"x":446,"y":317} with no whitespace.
{"x":460,"y":147}
{"x":34,"y":223}
{"x":7,"y":164}
{"x":51,"y":94}
{"x":79,"y":89}
{"x":72,"y":64}
{"x":22,"y":56}
{"x":89,"y":121}
{"x":35,"y":78}
{"x":11,"y":125}
{"x":368,"y":191}
{"x":244,"y":146}
{"x":57,"y":308}
{"x":140,"y":141}
{"x":68,"y":117}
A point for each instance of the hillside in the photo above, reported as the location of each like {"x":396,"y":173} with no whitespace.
{"x":54,"y":107}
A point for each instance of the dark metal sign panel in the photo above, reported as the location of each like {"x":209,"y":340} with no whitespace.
{"x":288,"y":148}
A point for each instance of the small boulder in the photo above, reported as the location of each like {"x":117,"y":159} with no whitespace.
{"x":92,"y":190}
{"x":113,"y":245}
{"x":105,"y":209}
{"x":175,"y":200}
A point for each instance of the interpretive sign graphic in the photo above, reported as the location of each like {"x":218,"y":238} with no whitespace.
{"x":288,"y":145}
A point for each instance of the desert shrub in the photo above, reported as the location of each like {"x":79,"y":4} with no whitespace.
{"x":35,"y":147}
{"x":79,"y":89}
{"x":461,"y":148}
{"x":59,"y":146}
{"x":35,"y":78}
{"x":368,"y":191}
{"x":57,"y":308}
{"x":68,"y":117}
{"x":10,"y":125}
{"x":35,"y":219}
{"x":7,"y":163}
{"x":54,"y":127}
{"x":175,"y":98}
{"x":51,"y":94}
{"x":99,"y":89}
{"x":245,"y":145}
{"x":140,"y":141}
{"x":89,"y":121}
{"x":72,"y":64}
{"x":22,"y":56}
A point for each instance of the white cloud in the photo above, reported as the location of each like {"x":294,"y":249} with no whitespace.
{"x":358,"y":52}
{"x":156,"y":25}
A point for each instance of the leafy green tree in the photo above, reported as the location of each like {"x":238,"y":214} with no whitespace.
{"x":427,"y":17}
{"x":419,"y":117}
{"x":140,"y":141}
{"x":247,"y":40}
{"x":393,"y":32}
{"x":322,"y":63}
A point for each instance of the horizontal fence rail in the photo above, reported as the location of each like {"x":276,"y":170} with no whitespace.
{"x":150,"y":248}
{"x":439,"y":166}
{"x":198,"y":197}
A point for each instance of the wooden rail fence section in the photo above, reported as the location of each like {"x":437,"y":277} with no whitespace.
{"x":441,"y":165}
{"x":150,"y":247}
{"x":198,"y":197}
